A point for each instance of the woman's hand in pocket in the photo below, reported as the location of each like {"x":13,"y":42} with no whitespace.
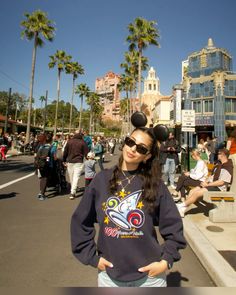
{"x":103,"y":263}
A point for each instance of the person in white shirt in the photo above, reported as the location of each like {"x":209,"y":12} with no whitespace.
{"x":193,"y":178}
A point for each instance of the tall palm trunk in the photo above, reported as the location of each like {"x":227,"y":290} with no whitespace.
{"x":81,"y":108}
{"x":90,"y":120}
{"x":57,"y":104}
{"x":45,"y":111}
{"x":31,"y":91}
{"x":72,"y":103}
{"x":139,"y":77}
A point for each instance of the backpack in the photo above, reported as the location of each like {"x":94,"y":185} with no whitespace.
{"x":42,"y":158}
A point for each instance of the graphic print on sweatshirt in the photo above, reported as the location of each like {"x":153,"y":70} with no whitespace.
{"x":124,"y":211}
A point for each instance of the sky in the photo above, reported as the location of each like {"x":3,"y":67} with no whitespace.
{"x":94,"y":33}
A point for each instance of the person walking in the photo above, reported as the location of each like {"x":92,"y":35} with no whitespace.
{"x":42,"y":164}
{"x":211,"y":147}
{"x":88,"y":139}
{"x":170,"y":149}
{"x":89,"y":168}
{"x":192,"y":178}
{"x":127,"y":201}
{"x":98,"y":151}
{"x":75,"y":151}
{"x":3,"y":149}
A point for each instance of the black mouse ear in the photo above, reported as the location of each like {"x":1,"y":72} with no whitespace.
{"x":161,"y":132}
{"x":139,"y":119}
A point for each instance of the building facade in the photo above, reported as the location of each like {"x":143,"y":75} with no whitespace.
{"x":162,"y":110}
{"x":107,"y":88}
{"x":151,"y":95}
{"x":209,"y":88}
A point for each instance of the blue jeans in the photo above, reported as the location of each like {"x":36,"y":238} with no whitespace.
{"x":169,"y":171}
{"x":105,"y":281}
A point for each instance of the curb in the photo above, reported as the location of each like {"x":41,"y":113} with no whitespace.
{"x":220,"y":271}
{"x":13,"y":155}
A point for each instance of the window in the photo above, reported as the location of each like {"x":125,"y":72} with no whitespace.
{"x":208,"y":106}
{"x":233,"y":106}
{"x":197,"y":106}
{"x":149,"y":86}
{"x":228,"y":105}
{"x":230,"y":87}
{"x":154,"y":86}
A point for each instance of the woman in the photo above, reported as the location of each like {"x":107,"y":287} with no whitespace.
{"x":42,"y":164}
{"x":98,"y":151}
{"x":127,"y":201}
{"x":193,"y":178}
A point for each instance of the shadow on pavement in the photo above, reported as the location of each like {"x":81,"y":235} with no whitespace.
{"x":174,"y":279}
{"x":8,"y":196}
{"x":202,"y":207}
{"x":17,"y":165}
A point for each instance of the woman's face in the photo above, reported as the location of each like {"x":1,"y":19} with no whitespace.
{"x":133,"y":150}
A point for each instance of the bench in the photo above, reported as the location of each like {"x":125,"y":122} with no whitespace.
{"x":224,"y":202}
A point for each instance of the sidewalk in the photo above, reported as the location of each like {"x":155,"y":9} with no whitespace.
{"x":213,"y":243}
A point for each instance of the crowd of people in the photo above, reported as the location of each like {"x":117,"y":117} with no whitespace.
{"x":75,"y":153}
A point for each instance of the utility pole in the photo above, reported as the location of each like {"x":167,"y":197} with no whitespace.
{"x":16,"y":111}
{"x":63,"y":115}
{"x":45,"y":111}
{"x":7,"y":110}
{"x":34,"y":110}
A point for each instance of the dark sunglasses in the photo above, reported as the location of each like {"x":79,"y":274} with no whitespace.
{"x":139,"y":148}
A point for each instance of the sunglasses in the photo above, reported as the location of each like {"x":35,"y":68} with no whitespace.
{"x":139,"y":148}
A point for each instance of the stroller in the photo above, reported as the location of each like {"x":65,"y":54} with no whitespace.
{"x":57,"y":178}
{"x":61,"y":178}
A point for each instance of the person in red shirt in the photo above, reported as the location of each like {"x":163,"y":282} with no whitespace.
{"x":231,"y":143}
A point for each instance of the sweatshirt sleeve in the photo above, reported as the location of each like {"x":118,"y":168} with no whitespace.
{"x":198,"y":171}
{"x":83,"y":231}
{"x":171,"y":228}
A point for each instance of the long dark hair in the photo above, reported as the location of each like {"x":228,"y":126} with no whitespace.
{"x":150,"y":172}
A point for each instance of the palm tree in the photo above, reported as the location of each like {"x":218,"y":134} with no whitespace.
{"x":59,"y":59}
{"x":142,"y":33}
{"x":36,"y":27}
{"x":42,"y":99}
{"x":126,"y":84}
{"x":83,"y":90}
{"x":73,"y":68}
{"x":93,"y":100}
{"x":97,"y":114}
{"x":131,"y":70}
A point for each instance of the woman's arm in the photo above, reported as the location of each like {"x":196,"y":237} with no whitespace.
{"x":228,"y":144}
{"x":83,"y":231}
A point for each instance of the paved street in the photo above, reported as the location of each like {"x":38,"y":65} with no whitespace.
{"x":35,"y":238}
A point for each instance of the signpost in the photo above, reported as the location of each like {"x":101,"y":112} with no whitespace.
{"x":188,"y":125}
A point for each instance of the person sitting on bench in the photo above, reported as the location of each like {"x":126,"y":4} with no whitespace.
{"x":219,"y":181}
{"x":191,"y":179}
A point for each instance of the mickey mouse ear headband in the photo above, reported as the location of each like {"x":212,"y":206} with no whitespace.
{"x":160,"y":131}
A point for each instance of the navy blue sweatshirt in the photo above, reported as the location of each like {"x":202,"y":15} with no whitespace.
{"x":127,"y":236}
